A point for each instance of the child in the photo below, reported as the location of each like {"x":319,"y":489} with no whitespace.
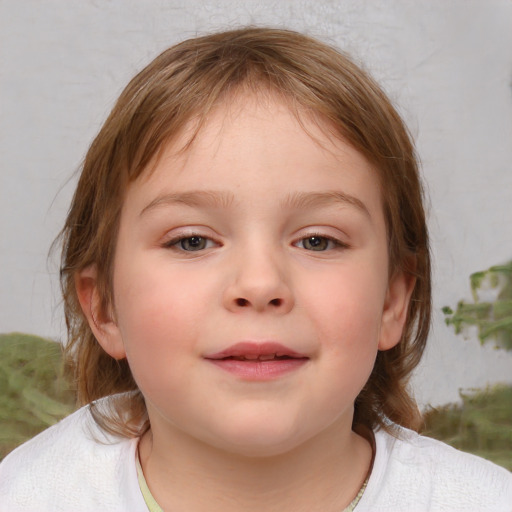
{"x":246,"y":280}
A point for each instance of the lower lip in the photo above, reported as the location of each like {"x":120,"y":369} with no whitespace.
{"x":259,"y":370}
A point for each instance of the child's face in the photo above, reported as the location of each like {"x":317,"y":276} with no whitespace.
{"x":254,"y":242}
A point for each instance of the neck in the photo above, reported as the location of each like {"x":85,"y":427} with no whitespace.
{"x":322,"y":474}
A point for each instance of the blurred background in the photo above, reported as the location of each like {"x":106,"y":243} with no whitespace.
{"x":446,"y":65}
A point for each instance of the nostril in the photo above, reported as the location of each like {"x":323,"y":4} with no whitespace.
{"x":243,"y":303}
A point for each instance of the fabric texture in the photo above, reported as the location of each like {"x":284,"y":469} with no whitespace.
{"x":75,"y":466}
{"x":72,"y":466}
{"x":416,"y":473}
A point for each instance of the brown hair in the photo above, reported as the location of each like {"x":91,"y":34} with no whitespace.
{"x":185,"y":82}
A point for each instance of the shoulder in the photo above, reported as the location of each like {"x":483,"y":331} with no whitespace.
{"x":73,"y":465}
{"x":422,"y":472}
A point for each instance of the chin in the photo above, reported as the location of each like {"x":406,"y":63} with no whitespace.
{"x":260,"y":441}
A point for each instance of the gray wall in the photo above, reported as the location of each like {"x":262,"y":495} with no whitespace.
{"x":447,"y":64}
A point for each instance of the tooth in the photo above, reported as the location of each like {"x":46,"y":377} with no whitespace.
{"x":251,"y":357}
{"x":267,"y":357}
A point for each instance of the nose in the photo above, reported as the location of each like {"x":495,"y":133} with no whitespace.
{"x":259,"y":282}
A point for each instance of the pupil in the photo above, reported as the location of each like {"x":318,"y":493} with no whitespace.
{"x":316,"y":243}
{"x":193,"y":243}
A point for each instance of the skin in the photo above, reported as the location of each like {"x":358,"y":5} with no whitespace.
{"x":255,"y":187}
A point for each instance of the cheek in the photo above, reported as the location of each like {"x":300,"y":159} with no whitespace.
{"x":157,"y":314}
{"x":346,"y":305}
{"x":155,"y":297}
{"x":345,"y":310}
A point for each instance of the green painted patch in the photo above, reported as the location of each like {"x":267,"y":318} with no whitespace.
{"x":493,"y":319}
{"x":33,"y":391}
{"x":482,"y":424}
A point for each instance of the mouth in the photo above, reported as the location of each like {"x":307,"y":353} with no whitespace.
{"x":258,"y":361}
{"x":249,"y":351}
{"x":261,"y":357}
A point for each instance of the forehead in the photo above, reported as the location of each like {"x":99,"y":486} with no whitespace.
{"x":273,"y":120}
{"x":259,"y":141}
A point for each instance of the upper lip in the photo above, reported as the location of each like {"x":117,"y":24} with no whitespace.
{"x":253,"y":350}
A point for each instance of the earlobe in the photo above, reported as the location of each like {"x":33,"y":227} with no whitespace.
{"x":396,"y":306}
{"x":101,"y":322}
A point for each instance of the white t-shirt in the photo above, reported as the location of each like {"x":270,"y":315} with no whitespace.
{"x":75,"y":466}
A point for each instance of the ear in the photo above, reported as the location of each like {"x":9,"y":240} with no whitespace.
{"x":102,"y":323}
{"x":396,"y":306}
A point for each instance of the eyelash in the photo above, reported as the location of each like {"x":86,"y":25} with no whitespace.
{"x":336,"y":244}
{"x":173,"y":243}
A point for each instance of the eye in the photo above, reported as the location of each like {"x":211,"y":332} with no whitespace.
{"x":193,"y":243}
{"x":319,"y":243}
{"x":190,"y":243}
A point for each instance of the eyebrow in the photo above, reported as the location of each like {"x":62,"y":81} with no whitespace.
{"x":194,"y":198}
{"x":219,"y":199}
{"x":303,"y":200}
